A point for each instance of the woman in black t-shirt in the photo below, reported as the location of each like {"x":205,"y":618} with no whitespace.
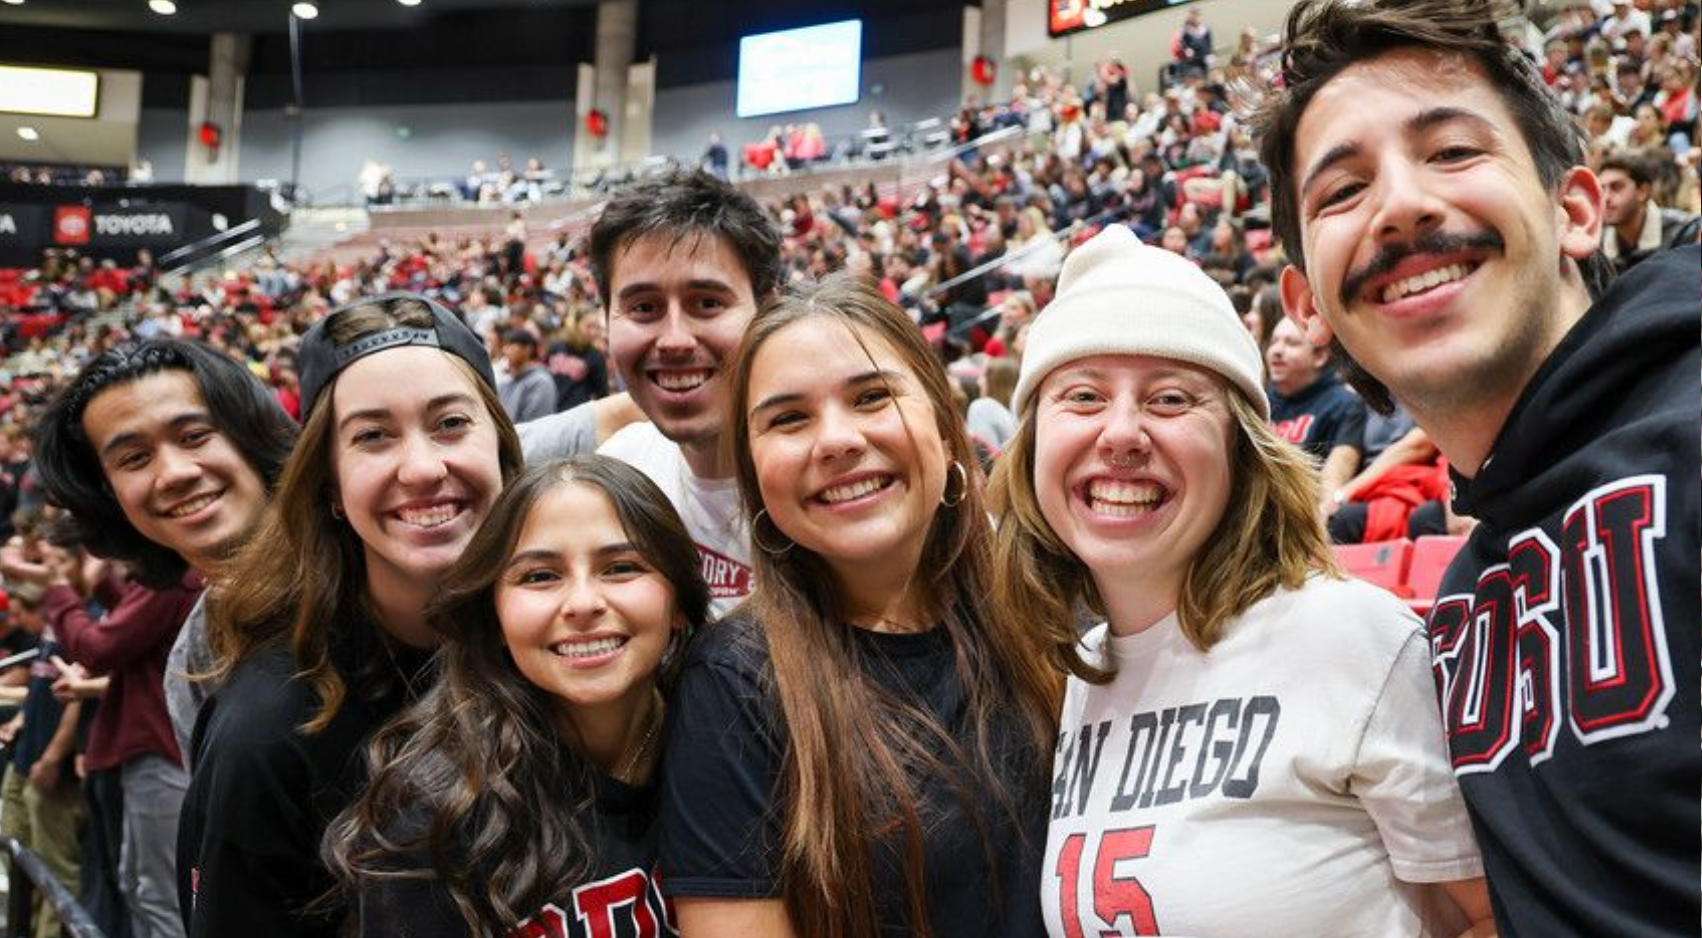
{"x":515,"y":792}
{"x":319,"y":624}
{"x":861,"y":747}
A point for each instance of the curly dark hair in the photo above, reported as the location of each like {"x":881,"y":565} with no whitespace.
{"x":71,"y":475}
{"x":471,"y":786}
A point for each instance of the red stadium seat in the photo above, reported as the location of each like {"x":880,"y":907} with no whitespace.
{"x":1430,"y":558}
{"x":1381,"y":564}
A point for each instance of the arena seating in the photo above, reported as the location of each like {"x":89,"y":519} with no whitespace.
{"x":1410,"y":569}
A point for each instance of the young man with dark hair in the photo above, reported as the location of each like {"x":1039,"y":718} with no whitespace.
{"x":681,"y":261}
{"x":164,"y":453}
{"x":1442,"y":228}
{"x":1636,"y":226}
{"x":526,"y":389}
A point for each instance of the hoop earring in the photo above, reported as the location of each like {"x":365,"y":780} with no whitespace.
{"x":756,"y":525}
{"x":337,"y":510}
{"x":963,"y":486}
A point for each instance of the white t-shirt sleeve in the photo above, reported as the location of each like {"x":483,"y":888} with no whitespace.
{"x":1402,"y":776}
{"x":559,"y":436}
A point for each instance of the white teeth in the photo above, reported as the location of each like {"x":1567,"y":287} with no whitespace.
{"x":601,"y":646}
{"x":430,"y":517}
{"x":844,"y":493}
{"x":185,"y":509}
{"x":1124,"y":499}
{"x":1428,"y":280}
{"x":681,"y":380}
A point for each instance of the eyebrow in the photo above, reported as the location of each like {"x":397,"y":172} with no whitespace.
{"x":178,"y":422}
{"x":791,"y":397}
{"x":1084,"y":371}
{"x":545,"y":553}
{"x":1091,"y":373}
{"x":437,"y":403}
{"x":1418,"y":123}
{"x":635,"y":289}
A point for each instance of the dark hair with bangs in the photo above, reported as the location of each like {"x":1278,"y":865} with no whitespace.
{"x":242,"y":409}
{"x":687,"y":205}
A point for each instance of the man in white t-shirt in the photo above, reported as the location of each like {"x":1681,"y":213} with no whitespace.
{"x":681,"y":262}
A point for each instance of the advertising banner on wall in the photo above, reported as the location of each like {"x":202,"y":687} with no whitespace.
{"x":22,"y":224}
{"x":160,"y":224}
{"x":71,"y":224}
{"x":1072,"y":16}
{"x":114,"y":221}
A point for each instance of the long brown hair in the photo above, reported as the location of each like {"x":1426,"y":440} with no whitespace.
{"x":301,"y":578}
{"x":1269,"y":537}
{"x":473,"y":777}
{"x":853,"y":751}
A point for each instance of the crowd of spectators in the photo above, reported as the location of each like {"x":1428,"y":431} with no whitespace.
{"x":65,"y":175}
{"x":973,"y":254}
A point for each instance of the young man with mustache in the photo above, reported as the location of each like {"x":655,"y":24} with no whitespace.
{"x":1443,"y":232}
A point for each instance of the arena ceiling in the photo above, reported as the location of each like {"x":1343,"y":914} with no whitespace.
{"x":258,"y":17}
{"x":469,"y":45}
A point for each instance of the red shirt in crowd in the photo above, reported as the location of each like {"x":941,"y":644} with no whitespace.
{"x":130,"y":644}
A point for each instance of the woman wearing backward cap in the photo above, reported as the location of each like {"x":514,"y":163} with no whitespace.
{"x":1249,"y":744}
{"x":319,"y":627}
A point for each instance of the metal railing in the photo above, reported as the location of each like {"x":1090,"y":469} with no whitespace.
{"x":992,"y":313}
{"x":1003,"y":259}
{"x":29,"y":874}
{"x":213,"y":248}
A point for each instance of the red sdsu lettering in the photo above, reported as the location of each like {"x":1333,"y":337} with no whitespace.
{"x":1294,"y":429}
{"x":627,"y":905}
{"x":1505,"y":670}
{"x":599,"y":903}
{"x":726,"y":577}
{"x":1618,"y":672}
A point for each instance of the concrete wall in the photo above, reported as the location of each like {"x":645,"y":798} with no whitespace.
{"x":443,"y":140}
{"x":415,"y":140}
{"x":161,"y":138}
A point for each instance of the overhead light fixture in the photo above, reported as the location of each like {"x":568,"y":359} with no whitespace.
{"x":305,"y":10}
{"x":16,"y":3}
{"x":162,"y":7}
{"x":28,"y":133}
{"x":409,"y":3}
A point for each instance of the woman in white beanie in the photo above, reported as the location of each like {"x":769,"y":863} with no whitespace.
{"x":1250,"y":743}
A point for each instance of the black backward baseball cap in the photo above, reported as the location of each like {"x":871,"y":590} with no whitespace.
{"x":320,"y":359}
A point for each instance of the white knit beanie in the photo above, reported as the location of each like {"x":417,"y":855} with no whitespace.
{"x":1117,"y":296}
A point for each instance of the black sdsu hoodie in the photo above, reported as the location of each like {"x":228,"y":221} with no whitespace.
{"x":1566,"y":633}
